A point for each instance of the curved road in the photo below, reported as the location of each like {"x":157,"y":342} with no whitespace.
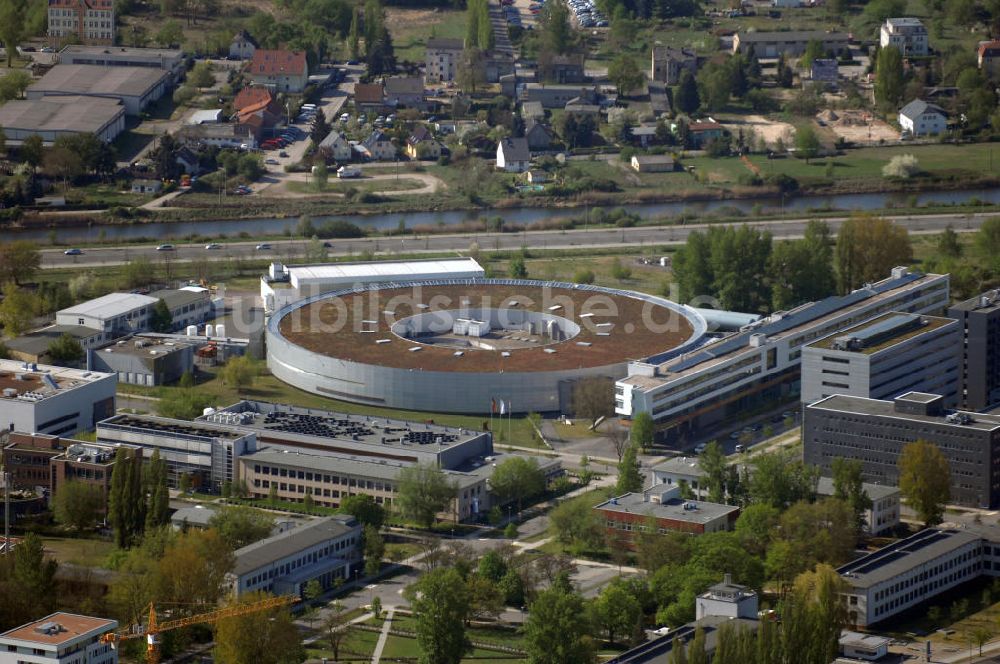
{"x":459,"y":243}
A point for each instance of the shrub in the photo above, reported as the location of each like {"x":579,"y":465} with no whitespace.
{"x":901,"y":166}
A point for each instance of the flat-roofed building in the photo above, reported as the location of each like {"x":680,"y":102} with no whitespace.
{"x":727,"y":599}
{"x":284,"y":284}
{"x":115,"y":313}
{"x":55,"y":117}
{"x":53,"y":400}
{"x":324,"y":550}
{"x":911,"y":571}
{"x":34,"y":346}
{"x":760,"y":364}
{"x":208,"y":454}
{"x":980,"y":371}
{"x":907,"y":34}
{"x":791,"y":43}
{"x":134,"y":87}
{"x":887,"y":356}
{"x":59,"y":638}
{"x":443,"y":58}
{"x":867,"y":647}
{"x":190,"y":305}
{"x":167,"y":59}
{"x":876,"y":431}
{"x":147,"y":361}
{"x":663,"y":509}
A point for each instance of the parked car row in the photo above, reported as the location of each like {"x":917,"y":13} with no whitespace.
{"x":587,"y":14}
{"x":287,"y":137}
{"x":512,"y":15}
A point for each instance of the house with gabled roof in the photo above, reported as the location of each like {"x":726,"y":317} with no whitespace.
{"x":335,"y":147}
{"x":243,"y":46}
{"x":921,"y":118}
{"x":421,"y":144}
{"x":369,"y":97}
{"x":279,"y":69}
{"x":379,"y":146}
{"x":513,"y":155}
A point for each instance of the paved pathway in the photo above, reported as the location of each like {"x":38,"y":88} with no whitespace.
{"x":384,"y":636}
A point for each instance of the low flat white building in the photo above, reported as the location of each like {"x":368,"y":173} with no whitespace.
{"x":284,"y":284}
{"x":324,"y":550}
{"x":59,"y":638}
{"x":115,"y":313}
{"x":869,"y":647}
{"x":727,"y":599}
{"x":53,"y":400}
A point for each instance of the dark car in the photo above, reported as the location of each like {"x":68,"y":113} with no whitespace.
{"x":73,"y":252}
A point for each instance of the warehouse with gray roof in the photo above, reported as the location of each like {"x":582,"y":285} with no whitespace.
{"x":134,"y":87}
{"x":54,"y":117}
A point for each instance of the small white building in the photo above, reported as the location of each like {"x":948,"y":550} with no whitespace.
{"x":513,"y":155}
{"x":681,"y":470}
{"x":868,"y":647}
{"x":59,"y":638}
{"x":115,"y":313}
{"x":727,"y":599}
{"x":336,"y":148}
{"x":921,"y":118}
{"x":53,"y":400}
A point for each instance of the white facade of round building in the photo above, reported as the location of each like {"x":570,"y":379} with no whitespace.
{"x":385,"y":369}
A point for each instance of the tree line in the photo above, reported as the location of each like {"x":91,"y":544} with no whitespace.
{"x":744,"y":269}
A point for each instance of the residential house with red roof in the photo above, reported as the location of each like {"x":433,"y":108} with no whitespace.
{"x":257,"y":110}
{"x":988,"y":57}
{"x":280,"y":70}
{"x":88,"y":21}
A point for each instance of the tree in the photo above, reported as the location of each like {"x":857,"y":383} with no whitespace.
{"x":867,"y":249}
{"x":201,"y":75}
{"x":807,"y":143}
{"x":336,"y":626}
{"x":12,"y":26}
{"x":240,"y":372}
{"x":320,"y":127}
{"x":779,"y":479}
{"x":593,"y":398}
{"x":158,"y":511}
{"x":901,"y":166}
{"x":696,"y":649}
{"x":757,"y":526}
{"x":848,"y":486}
{"x":19,"y":260}
{"x":353,"y":39}
{"x":423,"y":491}
{"x":948,"y":244}
{"x":820,"y":532}
{"x":925,"y":480}
{"x":374,"y":550}
{"x":630,"y":478}
{"x":517,"y":268}
{"x":642,"y":430}
{"x":170,"y":35}
{"x":31,"y":151}
{"x":77,"y":504}
{"x":625,"y":72}
{"x":126,"y":502}
{"x":261,"y":636}
{"x":686,"y":94}
{"x":617,"y":610}
{"x":62,"y":163}
{"x":193,"y":568}
{"x":65,"y":350}
{"x":14,"y":83}
{"x":557,"y":630}
{"x":160,"y":318}
{"x":517,"y":478}
{"x":440,"y":603}
{"x":557,"y":35}
{"x":814,"y":51}
{"x":240,"y":526}
{"x":889,"y":77}
{"x":574,"y":523}
{"x":32,"y":585}
{"x":363,"y":508}
{"x":715,"y":85}
{"x":713,"y":463}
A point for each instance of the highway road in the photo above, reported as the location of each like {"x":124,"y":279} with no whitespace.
{"x":459,"y":243}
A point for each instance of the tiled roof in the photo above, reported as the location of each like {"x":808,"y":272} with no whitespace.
{"x":368,"y":93}
{"x":249,"y":96}
{"x":277,"y":62}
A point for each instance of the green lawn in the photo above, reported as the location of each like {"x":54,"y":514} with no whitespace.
{"x":645,"y":278}
{"x":78,"y":551}
{"x":411,"y":29}
{"x":339,"y":186}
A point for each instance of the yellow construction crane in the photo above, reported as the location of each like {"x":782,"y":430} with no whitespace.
{"x":151,"y":632}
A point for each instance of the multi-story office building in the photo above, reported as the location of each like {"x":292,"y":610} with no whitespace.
{"x":49,"y":462}
{"x":761,"y":363}
{"x":980,"y":374}
{"x":885,"y":357}
{"x":323,"y":550}
{"x":207,"y":453}
{"x":89,"y":21}
{"x":53,"y":400}
{"x":911,"y":571}
{"x":875,"y":433}
{"x":59,"y":638}
{"x":907,"y":34}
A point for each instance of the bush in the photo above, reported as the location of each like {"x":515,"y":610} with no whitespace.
{"x":584,"y":276}
{"x":901,"y":166}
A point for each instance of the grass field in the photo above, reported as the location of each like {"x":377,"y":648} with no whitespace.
{"x":411,"y":28}
{"x":364,"y":186}
{"x":78,"y":551}
{"x":645,"y":278}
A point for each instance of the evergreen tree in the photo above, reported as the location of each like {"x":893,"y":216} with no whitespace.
{"x":116,"y":499}
{"x":629,"y":476}
{"x":158,"y":512}
{"x":678,"y":652}
{"x":686,"y":96}
{"x":696,"y":650}
{"x":889,"y":77}
{"x":353,"y":37}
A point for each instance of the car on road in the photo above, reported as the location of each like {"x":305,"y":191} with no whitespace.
{"x":272,"y":162}
{"x":327,"y":245}
{"x":263,"y":246}
{"x":165,"y":247}
{"x":212,"y":246}
{"x":741,"y":449}
{"x":699,"y":448}
{"x":282,"y":154}
{"x":73,"y":252}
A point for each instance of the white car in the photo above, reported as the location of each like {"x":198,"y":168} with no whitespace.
{"x":212,"y":246}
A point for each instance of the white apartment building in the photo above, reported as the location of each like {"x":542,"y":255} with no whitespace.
{"x":760,"y":363}
{"x":907,"y":34}
{"x":324,"y":549}
{"x":54,"y":400}
{"x":59,"y":638}
{"x":443,"y":58}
